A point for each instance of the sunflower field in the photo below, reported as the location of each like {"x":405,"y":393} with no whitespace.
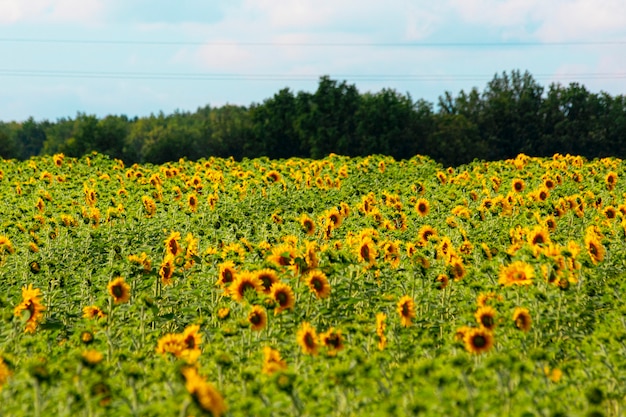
{"x":298,"y":287}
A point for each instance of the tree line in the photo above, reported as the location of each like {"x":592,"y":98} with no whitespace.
{"x":512,"y":114}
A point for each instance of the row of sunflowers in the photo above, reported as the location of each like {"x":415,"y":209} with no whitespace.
{"x":342,"y":286}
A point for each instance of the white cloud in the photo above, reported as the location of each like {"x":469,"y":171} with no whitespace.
{"x":554,"y":20}
{"x":54,"y":11}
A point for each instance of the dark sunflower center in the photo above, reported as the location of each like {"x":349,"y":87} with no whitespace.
{"x":333,"y":340}
{"x":245,"y":287}
{"x":255,"y":319}
{"x":266,"y":281}
{"x":365,"y":252}
{"x":479,"y":341}
{"x":31,"y":309}
{"x":405,"y":309}
{"x":317,"y":284}
{"x":282,"y":298}
{"x":190,"y":342}
{"x":309,"y":341}
{"x":117,"y":291}
{"x":487,"y":321}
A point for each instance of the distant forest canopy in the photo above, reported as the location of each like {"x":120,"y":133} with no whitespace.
{"x":512,"y":114}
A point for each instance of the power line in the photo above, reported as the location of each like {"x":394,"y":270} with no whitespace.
{"x":315,"y":44}
{"x":199,"y":76}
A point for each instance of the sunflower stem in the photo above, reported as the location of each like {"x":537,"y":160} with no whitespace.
{"x":36,"y":398}
{"x":183,"y":408}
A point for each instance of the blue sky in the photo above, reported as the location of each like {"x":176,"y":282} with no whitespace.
{"x":137,"y":57}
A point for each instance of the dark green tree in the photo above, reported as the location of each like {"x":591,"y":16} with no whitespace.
{"x":385,"y":125}
{"x":273,"y":127}
{"x":327,"y":119}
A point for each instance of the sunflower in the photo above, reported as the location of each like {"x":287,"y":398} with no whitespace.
{"x":441,"y":281}
{"x":459,"y":334}
{"x":550,"y":223}
{"x":594,"y":247}
{"x":486,"y":317}
{"x":445,"y":250}
{"x":166,"y":270}
{"x":40,"y":205}
{"x":307,"y":224}
{"x":422,"y":207}
{"x":273,"y":176}
{"x":257,"y":318}
{"x":549,"y":183}
{"x":307,"y":339}
{"x":611,"y":180}
{"x":171,"y":343}
{"x":267,"y":277}
{"x":391,"y":249}
{"x":424,"y":234}
{"x":192,"y":201}
{"x":90,"y":197}
{"x":31,"y":302}
{"x":522,"y":319}
{"x":311,"y":259}
{"x":245,"y":281}
{"x":406,"y":310}
{"x":93,"y":312}
{"x":344,"y":209}
{"x":466,"y":247}
{"x":272,"y":361}
{"x":227,"y":274}
{"x":283,"y":295}
{"x":141,"y":260}
{"x":538,"y":236}
{"x":223,"y":313}
{"x":191,"y":338}
{"x":457,"y":269}
{"x":119,"y":290}
{"x":87,"y":337}
{"x":333,"y":340}
{"x":5,"y":373}
{"x":380,"y":330}
{"x":333,"y":218}
{"x":366,"y":250}
{"x":206,"y":396}
{"x":149,"y":205}
{"x":172,"y":246}
{"x":484,"y":297}
{"x":212,"y":200}
{"x":478,"y":340}
{"x":610,"y":212}
{"x":58,"y":159}
{"x":91,"y":358}
{"x":276,"y":218}
{"x":6,"y":245}
{"x":318,"y":283}
{"x":542,"y":194}
{"x":517,"y":273}
{"x":282,"y":255}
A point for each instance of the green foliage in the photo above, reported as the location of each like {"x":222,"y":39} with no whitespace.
{"x":513,"y":114}
{"x":73,"y":226}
